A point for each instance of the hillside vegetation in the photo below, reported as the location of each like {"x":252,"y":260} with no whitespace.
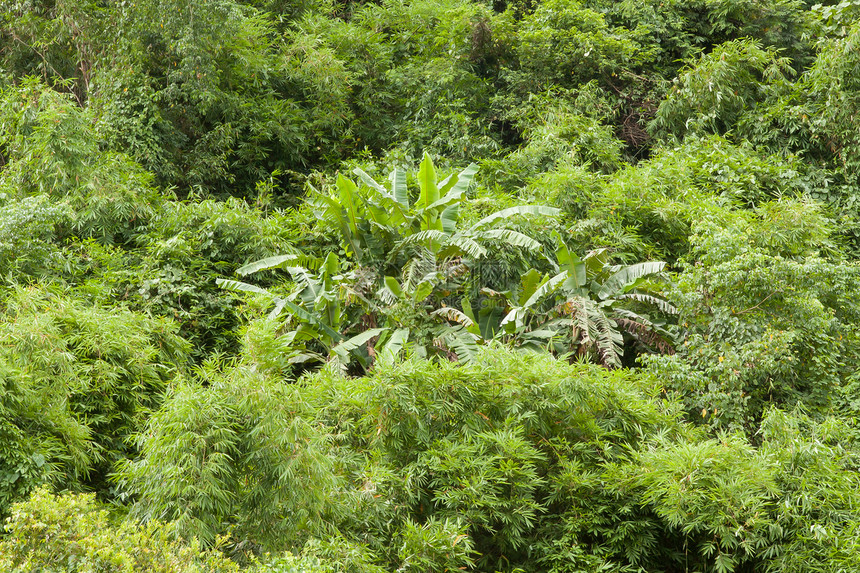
{"x":519,"y":286}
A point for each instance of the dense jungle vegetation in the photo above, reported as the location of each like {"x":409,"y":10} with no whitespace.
{"x":414,"y":286}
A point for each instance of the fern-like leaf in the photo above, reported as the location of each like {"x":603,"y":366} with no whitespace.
{"x":462,"y":343}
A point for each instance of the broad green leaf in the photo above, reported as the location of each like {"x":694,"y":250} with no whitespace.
{"x":464,"y":179}
{"x":454,"y":315}
{"x":331,"y":266}
{"x":370,"y":182}
{"x":350,"y":344}
{"x":422,"y":291}
{"x":398,"y":187}
{"x":392,"y":345}
{"x":489,"y":317}
{"x":348,"y":198}
{"x":547,"y":287}
{"x":446,"y":184}
{"x":576,"y":268}
{"x":529,"y":284}
{"x":335,"y":212}
{"x":596,"y":261}
{"x":449,"y":218}
{"x":427,"y":183}
{"x":460,"y":245}
{"x":474,"y":328}
{"x":306,"y":316}
{"x":454,"y":186}
{"x":279,"y":306}
{"x":393,"y":286}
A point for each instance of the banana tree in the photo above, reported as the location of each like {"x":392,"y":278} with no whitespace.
{"x":379,"y":223}
{"x":411,"y":315}
{"x":586,"y":307}
{"x":317,"y":319}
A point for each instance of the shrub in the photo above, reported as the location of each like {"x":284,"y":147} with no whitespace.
{"x":76,"y":382}
{"x":74,"y":533}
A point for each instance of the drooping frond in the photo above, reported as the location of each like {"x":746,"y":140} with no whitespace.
{"x":513,"y":238}
{"x":607,"y":339}
{"x":645,"y":333}
{"x":239,"y":286}
{"x":627,"y":276}
{"x":453,"y":315}
{"x":422,"y":237}
{"x":513,"y":211}
{"x":591,"y":327}
{"x":461,"y":244}
{"x":279,"y":261}
{"x":650,"y":299}
{"x":462,"y":343}
{"x":419,"y":269}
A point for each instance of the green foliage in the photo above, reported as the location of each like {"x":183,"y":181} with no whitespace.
{"x":702,"y":178}
{"x":59,"y":42}
{"x":837,"y":18}
{"x":582,"y":44}
{"x":183,"y":245}
{"x":435,"y":546}
{"x":149,"y":147}
{"x":50,"y":149}
{"x":211,"y":103}
{"x":581,"y":309}
{"x":833,"y":92}
{"x":241,"y":461}
{"x":481,"y":444}
{"x":558,"y":134}
{"x":28,"y":228}
{"x":383,"y":227}
{"x":77,"y":381}
{"x":71,"y":533}
{"x":710,"y":95}
{"x":769,"y":320}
